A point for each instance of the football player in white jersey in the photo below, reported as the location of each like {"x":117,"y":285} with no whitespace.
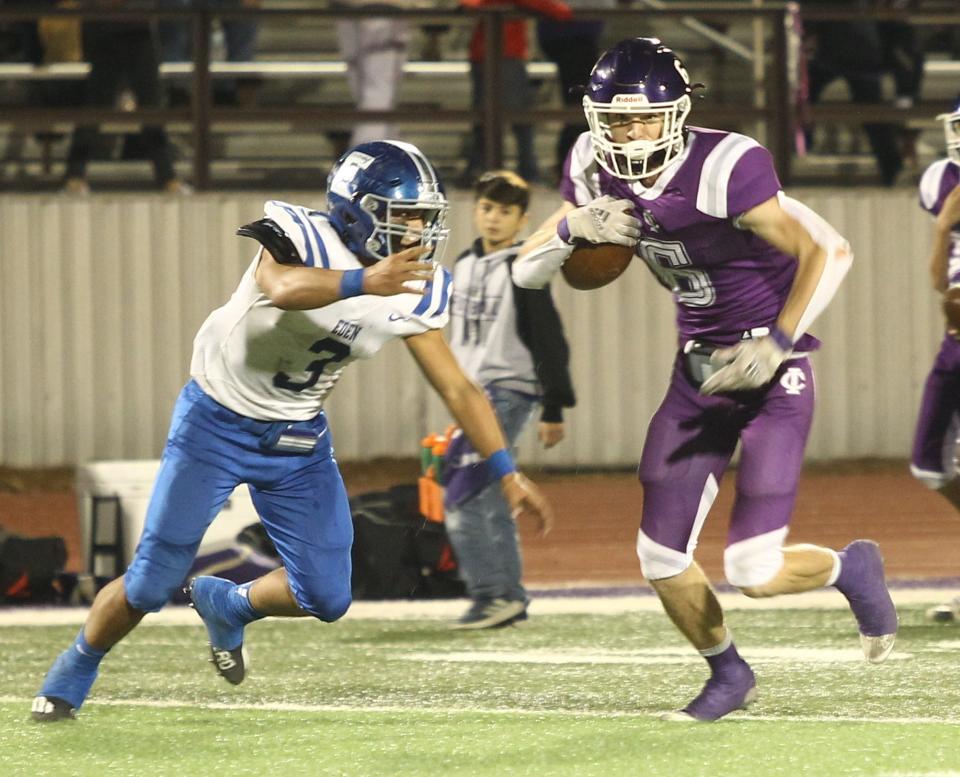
{"x":326,"y":288}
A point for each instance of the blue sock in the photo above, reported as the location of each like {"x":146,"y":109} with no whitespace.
{"x":73,"y":672}
{"x":87,"y":656}
{"x":238,"y":607}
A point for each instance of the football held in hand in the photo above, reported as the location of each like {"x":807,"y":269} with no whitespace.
{"x":592,"y":265}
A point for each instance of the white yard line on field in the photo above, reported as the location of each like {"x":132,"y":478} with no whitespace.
{"x":461,"y":711}
{"x":586,"y":604}
{"x":919,"y":774}
{"x":646,"y":656}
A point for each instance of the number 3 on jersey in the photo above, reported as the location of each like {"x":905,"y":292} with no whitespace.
{"x":330,"y":352}
{"x":669,"y":262}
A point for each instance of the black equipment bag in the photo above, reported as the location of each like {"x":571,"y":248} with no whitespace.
{"x":397,"y":553}
{"x":30,"y":568}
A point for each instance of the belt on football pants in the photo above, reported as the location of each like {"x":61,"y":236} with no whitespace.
{"x":697,"y":364}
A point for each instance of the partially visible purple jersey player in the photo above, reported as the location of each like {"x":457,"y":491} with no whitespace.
{"x":935,"y":444}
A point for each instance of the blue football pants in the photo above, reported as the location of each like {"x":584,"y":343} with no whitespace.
{"x":300,"y":498}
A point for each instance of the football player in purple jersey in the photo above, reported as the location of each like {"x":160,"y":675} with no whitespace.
{"x":934,"y":459}
{"x":750,"y":269}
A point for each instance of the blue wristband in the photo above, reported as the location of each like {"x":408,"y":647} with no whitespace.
{"x":500,"y":463}
{"x":781,"y":338}
{"x":563,"y":231}
{"x":351,"y":284}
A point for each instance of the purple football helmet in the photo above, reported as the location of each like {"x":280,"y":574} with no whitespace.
{"x":637,"y":78}
{"x":951,"y":130}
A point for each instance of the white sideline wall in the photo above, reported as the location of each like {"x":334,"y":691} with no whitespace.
{"x":101,"y":297}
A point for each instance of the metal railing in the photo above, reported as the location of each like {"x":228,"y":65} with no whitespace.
{"x":771,"y":107}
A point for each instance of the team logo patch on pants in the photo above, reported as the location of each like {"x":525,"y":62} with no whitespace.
{"x":793,"y":380}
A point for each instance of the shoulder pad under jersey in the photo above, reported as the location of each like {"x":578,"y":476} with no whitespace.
{"x":578,"y":184}
{"x":432,"y":307}
{"x":297,"y":224}
{"x":270,"y":235}
{"x":736,"y":175}
{"x":935,"y":186}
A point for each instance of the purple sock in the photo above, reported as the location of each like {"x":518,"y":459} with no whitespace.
{"x":850,"y":572}
{"x":723,"y":657}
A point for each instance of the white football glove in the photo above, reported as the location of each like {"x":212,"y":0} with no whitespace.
{"x":604,"y":220}
{"x":746,"y":365}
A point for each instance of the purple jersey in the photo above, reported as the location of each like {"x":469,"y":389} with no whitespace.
{"x":934,"y":442}
{"x":937,"y":182}
{"x":726,"y":281}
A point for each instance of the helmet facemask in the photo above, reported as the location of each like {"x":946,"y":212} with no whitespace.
{"x":401,"y":224}
{"x":384,"y":196}
{"x":951,"y":131}
{"x":633,"y":160}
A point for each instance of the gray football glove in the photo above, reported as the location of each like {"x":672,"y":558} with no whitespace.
{"x":604,"y":220}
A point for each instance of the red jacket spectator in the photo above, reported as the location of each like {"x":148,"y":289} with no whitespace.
{"x":515,"y":42}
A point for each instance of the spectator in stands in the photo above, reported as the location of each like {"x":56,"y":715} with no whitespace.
{"x":515,"y":84}
{"x":239,"y":35}
{"x":121,"y":52}
{"x":19,"y":41}
{"x":374,"y":49}
{"x":902,"y":55}
{"x":59,"y":39}
{"x":574,"y":46}
{"x":510,"y":341}
{"x":851,"y":49}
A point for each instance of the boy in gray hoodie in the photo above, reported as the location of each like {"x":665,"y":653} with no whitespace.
{"x":510,"y":340}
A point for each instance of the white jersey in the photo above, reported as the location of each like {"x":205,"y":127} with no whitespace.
{"x":272,"y":364}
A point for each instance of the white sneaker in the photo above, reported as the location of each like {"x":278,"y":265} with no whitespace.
{"x":487,"y":614}
{"x":76,"y":186}
{"x":945,"y":613}
{"x":177,"y":187}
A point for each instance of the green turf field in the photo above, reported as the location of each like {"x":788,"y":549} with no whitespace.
{"x":571,"y":695}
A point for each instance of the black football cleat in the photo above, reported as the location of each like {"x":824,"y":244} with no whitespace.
{"x":230,"y":663}
{"x":48,"y":709}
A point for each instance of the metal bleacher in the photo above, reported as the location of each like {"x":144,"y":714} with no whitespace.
{"x":299,"y":65}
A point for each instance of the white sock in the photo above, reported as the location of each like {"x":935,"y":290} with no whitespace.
{"x":835,"y":572}
{"x":716,"y":650}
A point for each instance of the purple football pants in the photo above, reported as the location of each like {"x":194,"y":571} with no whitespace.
{"x":689,"y":444}
{"x":935,"y":439}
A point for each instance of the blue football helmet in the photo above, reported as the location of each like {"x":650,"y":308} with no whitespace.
{"x":638,"y":77}
{"x":951,"y":130}
{"x":384,"y":196}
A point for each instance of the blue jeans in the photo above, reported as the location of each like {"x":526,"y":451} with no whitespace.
{"x":481,"y":529}
{"x":176,"y":43}
{"x":176,"y":38}
{"x":515,"y":86}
